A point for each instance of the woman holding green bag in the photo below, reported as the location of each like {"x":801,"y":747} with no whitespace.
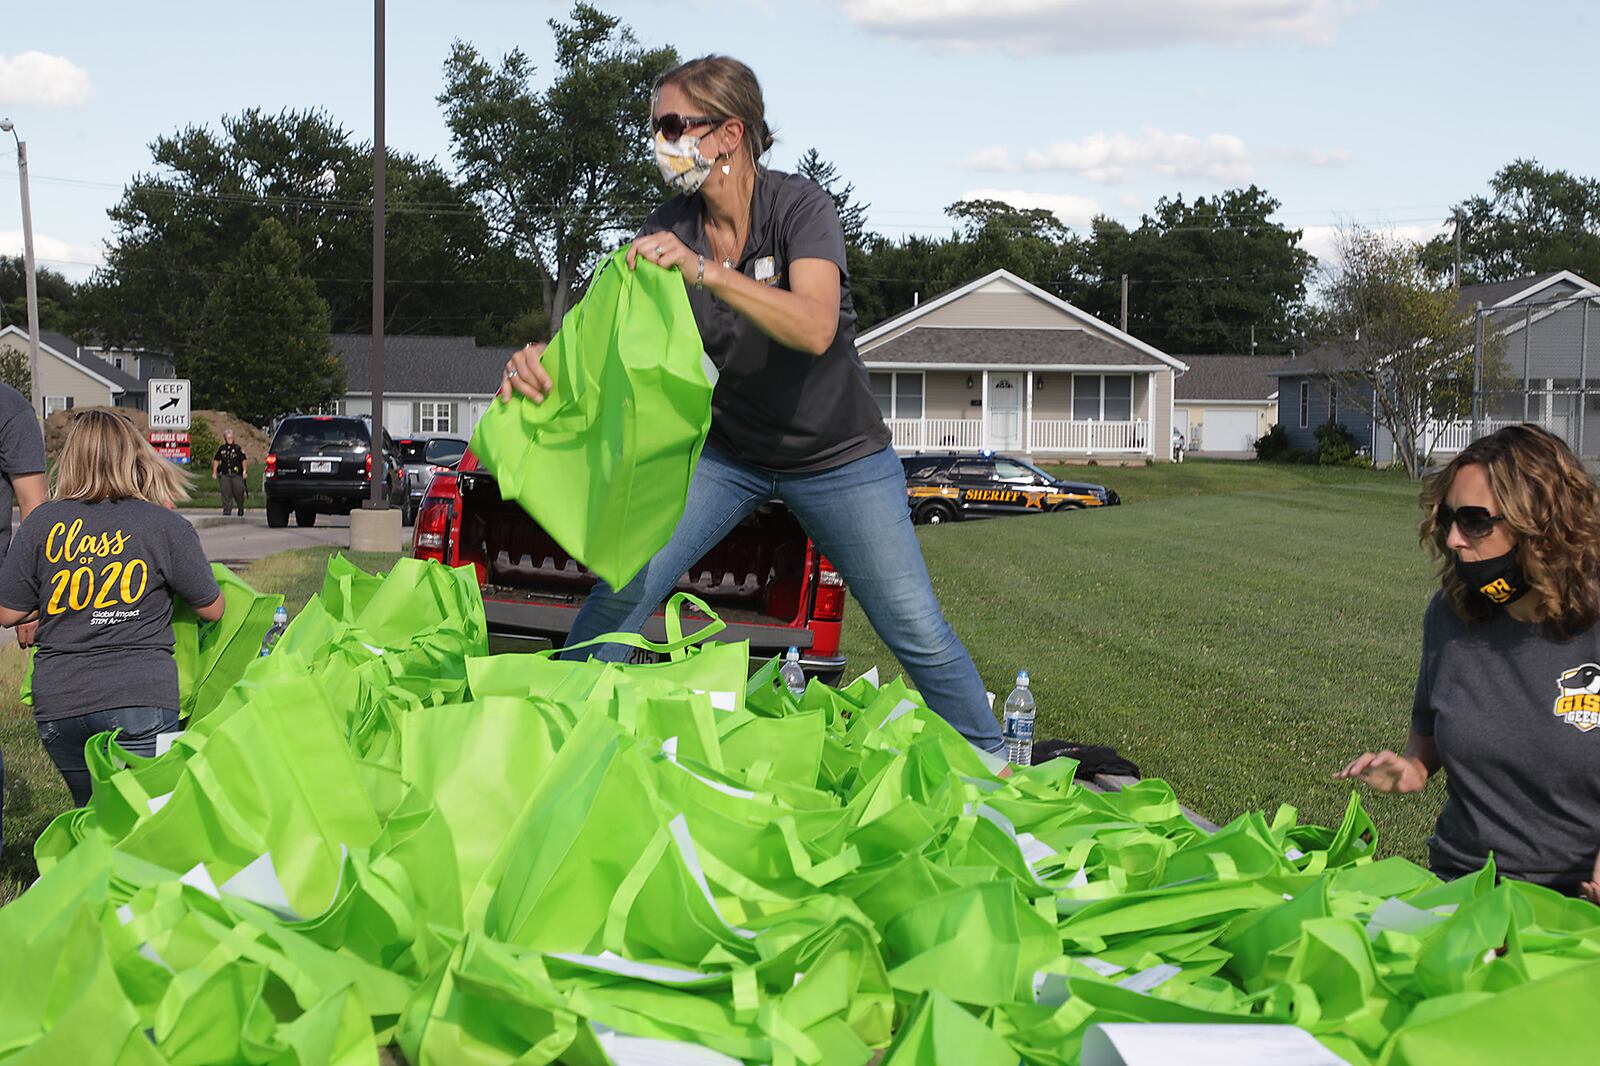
{"x":1508,"y":693}
{"x":793,"y":417}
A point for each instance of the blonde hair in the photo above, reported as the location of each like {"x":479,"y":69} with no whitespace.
{"x":1552,"y":505}
{"x":105,"y":458}
{"x":724,"y":88}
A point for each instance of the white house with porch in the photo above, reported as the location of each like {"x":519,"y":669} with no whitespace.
{"x":1001,"y":364}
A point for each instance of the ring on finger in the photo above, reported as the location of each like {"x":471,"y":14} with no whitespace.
{"x":513,"y":373}
{"x":659,"y":249}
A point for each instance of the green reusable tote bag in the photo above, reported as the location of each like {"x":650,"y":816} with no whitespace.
{"x":603,"y":464}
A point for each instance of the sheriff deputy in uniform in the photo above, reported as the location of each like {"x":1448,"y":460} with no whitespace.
{"x":229,"y":467}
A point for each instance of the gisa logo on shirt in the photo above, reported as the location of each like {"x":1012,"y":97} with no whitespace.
{"x":1579,"y":702}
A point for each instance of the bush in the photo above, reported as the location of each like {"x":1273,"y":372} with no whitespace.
{"x":1335,"y":445}
{"x":203,"y":444}
{"x":1273,"y":446}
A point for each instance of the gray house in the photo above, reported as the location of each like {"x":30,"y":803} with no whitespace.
{"x":1549,"y":330}
{"x":72,"y":375}
{"x":430,"y":384}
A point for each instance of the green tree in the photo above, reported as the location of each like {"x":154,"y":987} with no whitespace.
{"x":852,"y":214}
{"x":1387,"y":330}
{"x":563,"y":172}
{"x":1533,"y":220}
{"x":262,"y":338}
{"x":58,"y":297}
{"x":1203,"y":274}
{"x":14,"y":370}
{"x":177,"y":227}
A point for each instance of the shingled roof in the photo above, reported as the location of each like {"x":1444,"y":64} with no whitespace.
{"x":975,"y":346}
{"x":441,"y":366}
{"x":1227,"y":377}
{"x":90,"y":361}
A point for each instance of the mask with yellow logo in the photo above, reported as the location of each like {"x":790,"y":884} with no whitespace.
{"x":1499,"y":580}
{"x":683,"y":168}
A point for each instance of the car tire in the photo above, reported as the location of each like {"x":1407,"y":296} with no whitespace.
{"x":1069,"y":506}
{"x":936,"y":514}
{"x":408,"y":513}
{"x":277,"y":514}
{"x":305,"y":517}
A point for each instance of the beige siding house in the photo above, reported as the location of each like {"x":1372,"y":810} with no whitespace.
{"x":71,"y":375}
{"x":1001,"y":364}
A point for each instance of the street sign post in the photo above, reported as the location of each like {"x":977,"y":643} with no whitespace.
{"x":169,"y":404}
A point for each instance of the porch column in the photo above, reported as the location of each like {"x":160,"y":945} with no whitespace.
{"x":983,"y":430}
{"x":1027,"y":425}
{"x":1150,"y":415}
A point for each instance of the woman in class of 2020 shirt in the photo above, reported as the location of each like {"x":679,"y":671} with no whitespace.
{"x":99,"y":566}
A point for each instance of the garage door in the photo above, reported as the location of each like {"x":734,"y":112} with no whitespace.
{"x":1228,"y":431}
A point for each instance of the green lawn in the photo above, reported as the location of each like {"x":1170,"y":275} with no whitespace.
{"x":1241,"y":644}
{"x":1240,"y":629}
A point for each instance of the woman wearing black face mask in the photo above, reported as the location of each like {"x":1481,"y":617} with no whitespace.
{"x":1508,"y":694}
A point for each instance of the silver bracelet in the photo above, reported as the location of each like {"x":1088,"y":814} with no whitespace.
{"x":700,"y":275}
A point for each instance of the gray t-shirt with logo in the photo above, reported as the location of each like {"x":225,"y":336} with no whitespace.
{"x":21,"y":451}
{"x":1516,"y":717}
{"x":775,"y":407}
{"x":102,"y":577}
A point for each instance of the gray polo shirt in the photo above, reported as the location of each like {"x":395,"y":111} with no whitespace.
{"x":1516,"y":717}
{"x":21,"y":452}
{"x":775,"y":407}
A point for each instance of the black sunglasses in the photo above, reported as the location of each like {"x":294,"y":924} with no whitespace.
{"x":1474,"y":522}
{"x":672,"y":125}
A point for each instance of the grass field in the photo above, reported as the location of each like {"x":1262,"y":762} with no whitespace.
{"x":1237,"y":628}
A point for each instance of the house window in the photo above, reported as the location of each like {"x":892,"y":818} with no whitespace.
{"x":1333,"y":402}
{"x":1305,"y":404}
{"x":52,"y":404}
{"x":119,"y":362}
{"x":1102,"y":397}
{"x":899,"y":395}
{"x":434,"y":417}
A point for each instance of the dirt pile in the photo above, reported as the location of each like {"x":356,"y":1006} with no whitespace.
{"x":251,"y":439}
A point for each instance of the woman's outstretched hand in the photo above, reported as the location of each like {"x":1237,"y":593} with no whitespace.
{"x":524,"y":374}
{"x":1385,"y":771}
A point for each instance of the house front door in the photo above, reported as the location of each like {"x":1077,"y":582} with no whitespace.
{"x":1005,"y":411}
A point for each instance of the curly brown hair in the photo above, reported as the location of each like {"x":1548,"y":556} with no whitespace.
{"x":1552,"y":505}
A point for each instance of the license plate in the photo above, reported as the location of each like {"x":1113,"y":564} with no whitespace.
{"x":322,"y":467}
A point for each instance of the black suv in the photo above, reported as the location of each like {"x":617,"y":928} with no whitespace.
{"x":322,"y":464}
{"x":947,"y":488}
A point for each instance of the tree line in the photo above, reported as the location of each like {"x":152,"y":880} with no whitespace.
{"x":245,"y":245}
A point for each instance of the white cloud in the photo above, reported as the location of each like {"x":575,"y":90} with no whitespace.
{"x":1119,"y":157}
{"x":1323,"y":241}
{"x":73,"y":260}
{"x":1066,"y":26}
{"x":1072,"y":210}
{"x":1129,"y":202}
{"x":1316,"y":157}
{"x":992,"y":158}
{"x":40,"y":80}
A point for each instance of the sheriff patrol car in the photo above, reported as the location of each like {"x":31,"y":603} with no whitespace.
{"x":948,"y":488}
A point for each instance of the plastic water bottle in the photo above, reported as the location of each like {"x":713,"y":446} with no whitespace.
{"x":794,"y":678}
{"x":1018,"y":728}
{"x":280,"y":622}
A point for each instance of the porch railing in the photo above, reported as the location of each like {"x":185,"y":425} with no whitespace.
{"x":1067,"y":435}
{"x":1045,"y":435}
{"x":917,"y":434}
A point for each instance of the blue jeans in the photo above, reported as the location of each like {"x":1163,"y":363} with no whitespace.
{"x":64,"y":739}
{"x":858,"y":517}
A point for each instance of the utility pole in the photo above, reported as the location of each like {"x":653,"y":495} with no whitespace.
{"x":1124,"y":303}
{"x":380,"y":460}
{"x":31,"y":280}
{"x":1456,"y":214}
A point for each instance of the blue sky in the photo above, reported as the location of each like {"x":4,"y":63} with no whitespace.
{"x":1381,"y":112}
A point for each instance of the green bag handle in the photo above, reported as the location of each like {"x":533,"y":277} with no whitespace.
{"x":676,"y":643}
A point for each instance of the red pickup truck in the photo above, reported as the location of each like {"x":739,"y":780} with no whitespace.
{"x":766,"y":580}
